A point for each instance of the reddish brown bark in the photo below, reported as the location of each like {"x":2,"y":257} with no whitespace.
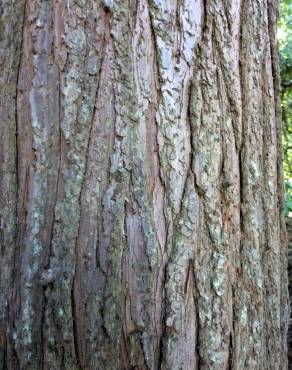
{"x":141,"y":186}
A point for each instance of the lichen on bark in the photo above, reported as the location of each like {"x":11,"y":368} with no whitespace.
{"x":141,"y":186}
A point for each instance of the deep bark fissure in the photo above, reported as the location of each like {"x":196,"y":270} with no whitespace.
{"x":163,"y":321}
{"x":16,"y":110}
{"x":75,"y":332}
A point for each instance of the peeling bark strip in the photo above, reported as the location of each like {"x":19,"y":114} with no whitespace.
{"x":141,"y":186}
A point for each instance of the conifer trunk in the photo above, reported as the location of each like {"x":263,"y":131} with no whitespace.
{"x":141,"y":186}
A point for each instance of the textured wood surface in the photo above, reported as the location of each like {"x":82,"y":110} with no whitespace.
{"x":141,"y":186}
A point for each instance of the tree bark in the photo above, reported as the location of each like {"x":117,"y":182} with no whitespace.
{"x":141,"y":186}
{"x":289,"y":333}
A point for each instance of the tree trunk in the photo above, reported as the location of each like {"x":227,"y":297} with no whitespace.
{"x":289,"y":333}
{"x":141,"y":186}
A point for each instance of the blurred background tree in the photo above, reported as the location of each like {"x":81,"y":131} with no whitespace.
{"x":285,"y":47}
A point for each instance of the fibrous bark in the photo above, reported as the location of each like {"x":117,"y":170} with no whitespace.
{"x":289,"y":333}
{"x":141,"y":186}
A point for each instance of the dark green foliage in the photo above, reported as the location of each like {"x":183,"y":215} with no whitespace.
{"x":288,"y":199}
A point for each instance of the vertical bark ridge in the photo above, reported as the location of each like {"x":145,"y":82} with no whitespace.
{"x":261,"y":231}
{"x":78,"y":88}
{"x":89,"y":279}
{"x":216,"y":125}
{"x":40,"y":146}
{"x":273,"y":14}
{"x":271,"y":253}
{"x":251,"y":208}
{"x":11,"y":27}
{"x":175,"y":46}
{"x":147,"y":193}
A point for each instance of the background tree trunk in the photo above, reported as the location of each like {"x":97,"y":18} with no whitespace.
{"x":141,"y":186}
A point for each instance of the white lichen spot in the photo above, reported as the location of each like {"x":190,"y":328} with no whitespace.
{"x":169,"y":321}
{"x":27,"y":338}
{"x":218,"y":284}
{"x":117,"y":157}
{"x":76,"y":40}
{"x":109,"y":4}
{"x":216,"y":341}
{"x":218,"y":357}
{"x":215,"y":233}
{"x":92,"y":64}
{"x":165,"y":57}
{"x":71,"y":92}
{"x":35,"y":228}
{"x":33,"y":109}
{"x":37,"y":248}
{"x":243,"y":316}
{"x":220,"y":261}
{"x":47,"y":277}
